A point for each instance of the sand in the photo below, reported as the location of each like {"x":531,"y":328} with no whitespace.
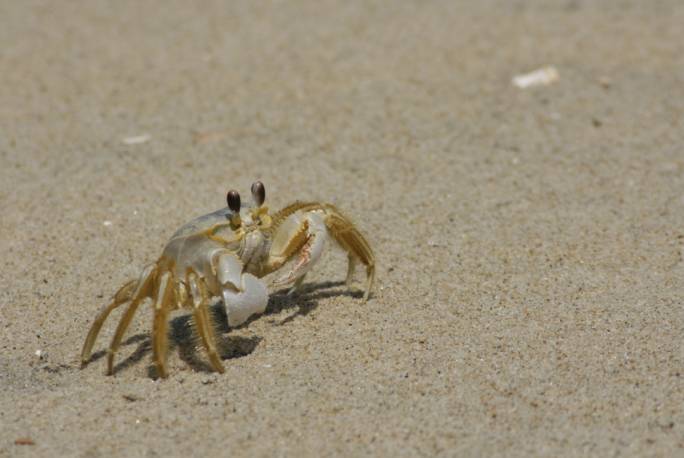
{"x":529,"y":241}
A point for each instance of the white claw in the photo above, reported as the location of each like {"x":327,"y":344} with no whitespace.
{"x":240,"y":305}
{"x":228,"y":269}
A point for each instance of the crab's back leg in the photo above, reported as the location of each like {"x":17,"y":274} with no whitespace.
{"x":351,"y":266}
{"x":122,"y":296}
{"x":143,"y":290}
{"x":351,"y":239}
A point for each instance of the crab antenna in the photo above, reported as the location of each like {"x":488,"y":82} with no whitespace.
{"x":258,"y":193}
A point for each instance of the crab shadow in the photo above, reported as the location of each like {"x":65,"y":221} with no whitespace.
{"x":305,"y":299}
{"x":184,"y":339}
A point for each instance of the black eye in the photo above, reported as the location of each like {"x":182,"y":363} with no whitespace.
{"x":233,"y":199}
{"x":258,"y":193}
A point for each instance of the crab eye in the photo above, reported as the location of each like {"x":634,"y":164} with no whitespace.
{"x":233,"y":199}
{"x":258,"y":193}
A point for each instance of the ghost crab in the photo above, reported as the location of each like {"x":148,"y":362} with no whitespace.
{"x":226,"y":253}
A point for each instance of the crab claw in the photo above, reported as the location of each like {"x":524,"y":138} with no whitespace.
{"x":310,"y":252}
{"x":240,"y":305}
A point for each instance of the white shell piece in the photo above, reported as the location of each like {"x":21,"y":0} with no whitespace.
{"x":541,"y":77}
{"x":241,"y":305}
{"x":136,"y":139}
{"x":228,"y":270}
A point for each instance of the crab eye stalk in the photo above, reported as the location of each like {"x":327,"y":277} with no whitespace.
{"x":258,"y":193}
{"x":233,"y":199}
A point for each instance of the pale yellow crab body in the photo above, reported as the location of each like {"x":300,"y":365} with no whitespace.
{"x":226,"y":254}
{"x":192,"y":249}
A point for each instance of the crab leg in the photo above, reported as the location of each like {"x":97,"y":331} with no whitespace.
{"x":337,"y":225}
{"x":123,"y":295}
{"x":311,"y":249}
{"x":351,"y":267}
{"x":295,"y":286}
{"x":142,"y":291}
{"x":160,"y":326}
{"x":204,"y":321}
{"x":349,"y":237}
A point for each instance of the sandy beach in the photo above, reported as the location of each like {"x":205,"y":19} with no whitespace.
{"x":528,"y":299}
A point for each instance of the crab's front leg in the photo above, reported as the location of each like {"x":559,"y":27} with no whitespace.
{"x":221,"y":274}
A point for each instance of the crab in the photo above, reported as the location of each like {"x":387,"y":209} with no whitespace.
{"x":226,"y":254}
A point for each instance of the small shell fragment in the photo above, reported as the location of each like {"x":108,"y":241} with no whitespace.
{"x":605,"y":82}
{"x":137,"y":139}
{"x":541,"y":77}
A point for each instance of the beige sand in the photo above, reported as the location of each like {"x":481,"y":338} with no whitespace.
{"x":529,"y":293}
